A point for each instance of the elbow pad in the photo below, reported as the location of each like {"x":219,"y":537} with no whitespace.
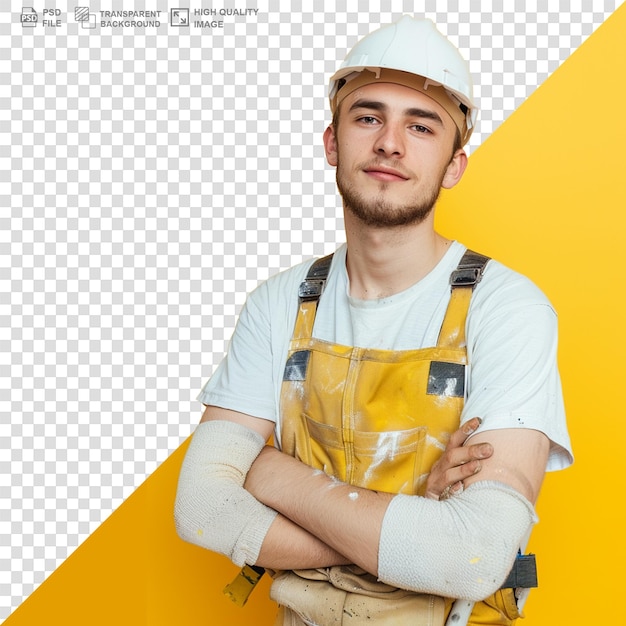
{"x":462,"y":547}
{"x":212,"y":508}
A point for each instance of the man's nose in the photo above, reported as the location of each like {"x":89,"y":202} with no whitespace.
{"x":390,"y":141}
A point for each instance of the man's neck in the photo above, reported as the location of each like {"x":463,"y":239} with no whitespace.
{"x":383,"y":262}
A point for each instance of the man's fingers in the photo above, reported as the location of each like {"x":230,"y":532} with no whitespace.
{"x":479,"y":451}
{"x":458,"y":473}
{"x":454,"y":457}
{"x":458,"y":437}
{"x":458,"y":462}
{"x":471,"y":425}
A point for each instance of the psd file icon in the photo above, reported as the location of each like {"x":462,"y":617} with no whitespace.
{"x":29,"y":17}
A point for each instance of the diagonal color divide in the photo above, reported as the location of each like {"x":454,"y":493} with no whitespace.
{"x":545,"y":194}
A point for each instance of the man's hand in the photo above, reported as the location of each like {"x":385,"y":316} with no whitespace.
{"x":457,"y":463}
{"x":349,"y":519}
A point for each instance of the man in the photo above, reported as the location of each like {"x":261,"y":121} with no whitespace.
{"x":363,"y":364}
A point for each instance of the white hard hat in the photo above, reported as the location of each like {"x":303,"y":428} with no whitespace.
{"x":414,"y":53}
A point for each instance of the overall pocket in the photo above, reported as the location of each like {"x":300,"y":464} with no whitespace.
{"x":386,"y":461}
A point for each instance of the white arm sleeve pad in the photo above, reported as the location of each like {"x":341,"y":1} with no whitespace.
{"x":212,"y":508}
{"x":462,"y":547}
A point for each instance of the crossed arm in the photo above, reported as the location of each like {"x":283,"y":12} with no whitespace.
{"x":260,"y":506}
{"x":323,"y":523}
{"x":348,"y":519}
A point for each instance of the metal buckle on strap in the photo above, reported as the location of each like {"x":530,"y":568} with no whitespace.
{"x":311,"y":290}
{"x":313,"y":285}
{"x":523,"y":574}
{"x":466,"y":277}
{"x":469,"y":270}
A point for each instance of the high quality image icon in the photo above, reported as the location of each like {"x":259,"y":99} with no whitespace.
{"x":179,"y":17}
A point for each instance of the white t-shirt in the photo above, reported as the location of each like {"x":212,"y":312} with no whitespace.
{"x":512,"y":379}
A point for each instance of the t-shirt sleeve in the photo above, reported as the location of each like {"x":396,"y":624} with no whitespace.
{"x":249,"y":377}
{"x":244,"y":379}
{"x":513,"y":378}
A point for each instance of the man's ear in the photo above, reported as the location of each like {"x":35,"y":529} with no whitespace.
{"x":456,"y":168}
{"x":330,"y":145}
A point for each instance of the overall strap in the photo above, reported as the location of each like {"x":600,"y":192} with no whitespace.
{"x":463,"y":280}
{"x":309,"y":293}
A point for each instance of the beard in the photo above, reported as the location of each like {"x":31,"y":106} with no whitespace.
{"x":378,"y":210}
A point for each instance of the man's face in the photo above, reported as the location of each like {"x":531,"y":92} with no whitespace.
{"x":393,"y":149}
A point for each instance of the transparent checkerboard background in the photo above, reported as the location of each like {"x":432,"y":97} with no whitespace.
{"x":150,"y":178}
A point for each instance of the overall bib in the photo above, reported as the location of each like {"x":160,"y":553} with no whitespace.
{"x":377,"y":419}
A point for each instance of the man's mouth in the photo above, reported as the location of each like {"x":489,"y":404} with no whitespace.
{"x":385,"y":174}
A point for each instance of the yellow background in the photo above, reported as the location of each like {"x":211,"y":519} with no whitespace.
{"x":545,"y":194}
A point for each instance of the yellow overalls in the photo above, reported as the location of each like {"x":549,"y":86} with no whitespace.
{"x":377,"y":419}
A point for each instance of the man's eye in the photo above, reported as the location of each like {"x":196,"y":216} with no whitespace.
{"x":420,"y":129}
{"x":368,"y":119}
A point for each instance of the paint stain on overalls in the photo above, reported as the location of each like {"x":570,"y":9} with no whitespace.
{"x":374,"y":418}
